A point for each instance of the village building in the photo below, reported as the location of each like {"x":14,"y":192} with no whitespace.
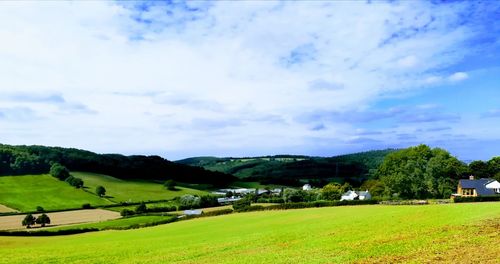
{"x":480,"y":187}
{"x":356,"y":195}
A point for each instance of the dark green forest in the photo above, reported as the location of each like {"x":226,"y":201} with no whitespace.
{"x":20,"y":160}
{"x":296,"y":170}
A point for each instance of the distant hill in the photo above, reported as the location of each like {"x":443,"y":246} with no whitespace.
{"x":295,"y":170}
{"x":20,"y":160}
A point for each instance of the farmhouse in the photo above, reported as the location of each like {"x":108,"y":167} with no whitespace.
{"x":356,"y":195}
{"x":479,"y":187}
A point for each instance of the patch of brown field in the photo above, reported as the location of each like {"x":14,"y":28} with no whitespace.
{"x":13,"y":222}
{"x":5,"y":209}
{"x":479,"y":243}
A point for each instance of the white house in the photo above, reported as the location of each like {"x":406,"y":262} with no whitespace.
{"x":306,"y":187}
{"x":354,"y":195}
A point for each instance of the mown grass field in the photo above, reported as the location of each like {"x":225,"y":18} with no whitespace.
{"x":131,"y":191}
{"x":25,"y":193}
{"x":468,"y":233}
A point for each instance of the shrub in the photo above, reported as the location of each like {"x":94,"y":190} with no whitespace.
{"x":241,"y":204}
{"x":39,"y":209}
{"x":86,"y":206}
{"x":476,"y":199}
{"x":126,"y":212}
{"x":141,"y":208}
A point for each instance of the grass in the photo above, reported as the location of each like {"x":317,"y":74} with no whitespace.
{"x":131,"y":190}
{"x":362,"y":234}
{"x":25,"y":193}
{"x":121,"y":223}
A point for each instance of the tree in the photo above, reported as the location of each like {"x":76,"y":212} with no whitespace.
{"x":189,"y":201}
{"x":494,"y":168}
{"x":170,"y":185}
{"x":74,"y":181}
{"x":332,"y":191}
{"x":480,"y":169}
{"x":28,"y":220}
{"x":59,"y":171}
{"x":43,"y":220}
{"x":229,"y":194}
{"x":39,"y":209}
{"x":241,"y":204}
{"x":100,"y":191}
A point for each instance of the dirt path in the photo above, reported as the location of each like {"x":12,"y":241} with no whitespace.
{"x":5,"y":209}
{"x":61,"y":218}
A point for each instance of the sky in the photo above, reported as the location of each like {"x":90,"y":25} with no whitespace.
{"x":182,"y":79}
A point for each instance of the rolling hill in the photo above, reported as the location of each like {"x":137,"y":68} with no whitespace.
{"x":295,"y":170}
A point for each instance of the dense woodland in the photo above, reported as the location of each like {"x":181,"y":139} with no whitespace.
{"x":295,"y":170}
{"x":19,"y":160}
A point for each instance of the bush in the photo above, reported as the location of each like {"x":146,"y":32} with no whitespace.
{"x":86,"y":206}
{"x":241,"y":204}
{"x":127,"y":212}
{"x":476,"y":199}
{"x":162,"y":209}
{"x":271,"y":200}
{"x":39,"y":209}
{"x":141,"y":208}
{"x":170,"y":185}
{"x":251,"y":208}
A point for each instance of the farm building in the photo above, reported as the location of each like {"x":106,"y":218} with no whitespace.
{"x":479,"y":187}
{"x":307,"y":187}
{"x":356,"y":195}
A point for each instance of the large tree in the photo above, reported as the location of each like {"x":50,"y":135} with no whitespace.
{"x":420,"y":172}
{"x":43,"y":220}
{"x":100,"y":191}
{"x":59,"y":171}
{"x":28,"y":220}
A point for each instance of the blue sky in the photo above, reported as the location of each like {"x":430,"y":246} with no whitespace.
{"x":182,"y":79}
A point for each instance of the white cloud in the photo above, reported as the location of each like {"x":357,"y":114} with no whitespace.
{"x":458,"y":76}
{"x":153,"y":78}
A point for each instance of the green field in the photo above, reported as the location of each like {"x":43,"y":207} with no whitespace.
{"x":364,"y":234}
{"x":117,"y":223}
{"x":131,"y":191}
{"x":25,"y":193}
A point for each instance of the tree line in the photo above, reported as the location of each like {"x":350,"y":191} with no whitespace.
{"x":20,"y":160}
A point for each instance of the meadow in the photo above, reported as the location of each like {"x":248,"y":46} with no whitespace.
{"x":349,"y":234}
{"x":118,"y":190}
{"x":25,"y":193}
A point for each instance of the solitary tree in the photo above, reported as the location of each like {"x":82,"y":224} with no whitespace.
{"x":100,"y":190}
{"x":43,"y":220}
{"x":28,"y":221}
{"x":170,"y":185}
{"x":39,"y":209}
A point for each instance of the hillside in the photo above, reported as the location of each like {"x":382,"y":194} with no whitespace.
{"x":360,"y":234}
{"x":294,"y":170}
{"x":20,"y":160}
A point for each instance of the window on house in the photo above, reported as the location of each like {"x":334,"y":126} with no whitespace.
{"x":468,"y":191}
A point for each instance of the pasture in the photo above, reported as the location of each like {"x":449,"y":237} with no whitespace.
{"x":349,"y":234}
{"x":131,"y":190}
{"x":25,"y":193}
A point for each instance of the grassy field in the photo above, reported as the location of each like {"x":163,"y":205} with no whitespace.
{"x":132,"y":191}
{"x":117,"y":223}
{"x":350,"y":234}
{"x":25,"y":193}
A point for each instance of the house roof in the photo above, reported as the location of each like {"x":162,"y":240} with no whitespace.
{"x":479,"y":185}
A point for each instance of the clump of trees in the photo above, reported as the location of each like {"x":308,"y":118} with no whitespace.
{"x":489,"y":169}
{"x":170,"y":185}
{"x":62,"y":173}
{"x":30,"y":220}
{"x":189,"y":201}
{"x":419,"y":173}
